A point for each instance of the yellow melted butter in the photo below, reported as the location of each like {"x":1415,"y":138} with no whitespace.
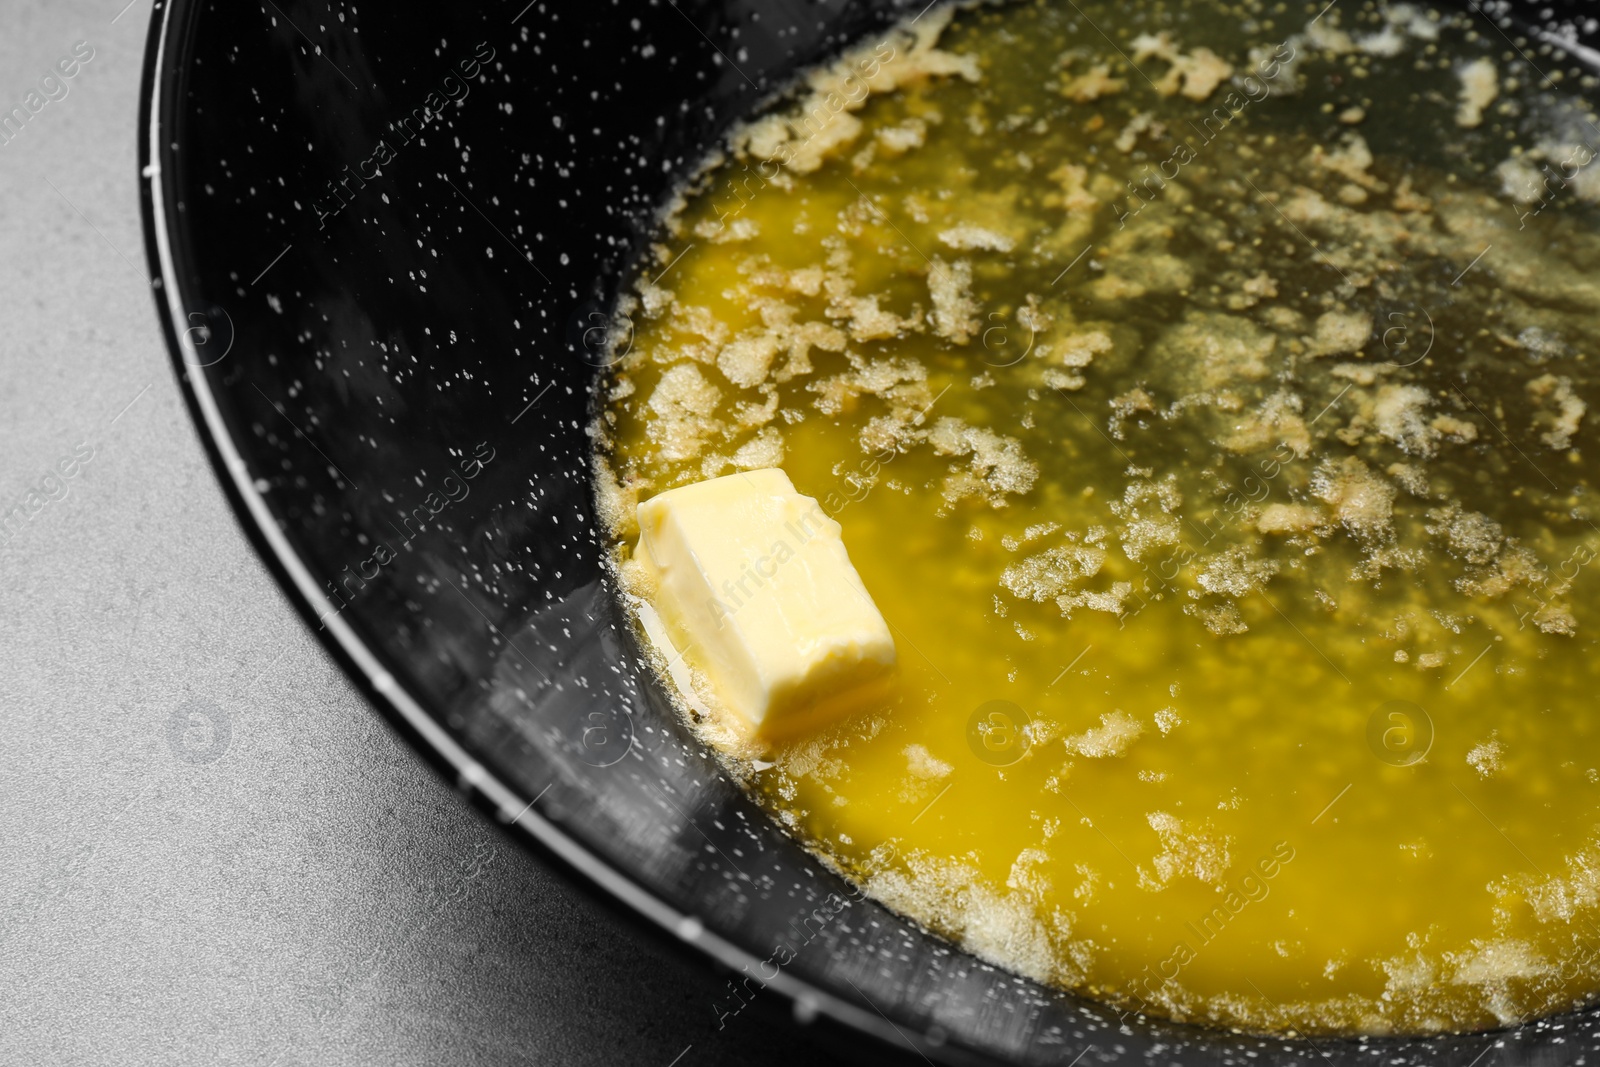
{"x":1238,"y":559}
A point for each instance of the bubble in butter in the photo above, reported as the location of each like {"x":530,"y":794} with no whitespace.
{"x":758,"y":595}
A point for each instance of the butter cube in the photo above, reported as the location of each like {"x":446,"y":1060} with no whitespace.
{"x":757,"y":592}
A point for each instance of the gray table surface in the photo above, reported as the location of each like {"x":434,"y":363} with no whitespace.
{"x":313,"y":894}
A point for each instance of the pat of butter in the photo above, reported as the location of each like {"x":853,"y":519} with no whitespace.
{"x":757,"y":592}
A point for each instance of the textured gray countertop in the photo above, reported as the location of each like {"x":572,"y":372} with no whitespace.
{"x":213,"y":851}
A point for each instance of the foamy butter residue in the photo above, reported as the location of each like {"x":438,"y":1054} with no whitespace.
{"x":1223,"y":480}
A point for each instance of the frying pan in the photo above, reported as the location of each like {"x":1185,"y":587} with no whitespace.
{"x":386,"y":239}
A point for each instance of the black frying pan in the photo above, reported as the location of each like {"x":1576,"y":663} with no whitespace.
{"x":391,"y":373}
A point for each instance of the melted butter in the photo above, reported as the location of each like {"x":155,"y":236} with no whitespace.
{"x":1214,"y":449}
